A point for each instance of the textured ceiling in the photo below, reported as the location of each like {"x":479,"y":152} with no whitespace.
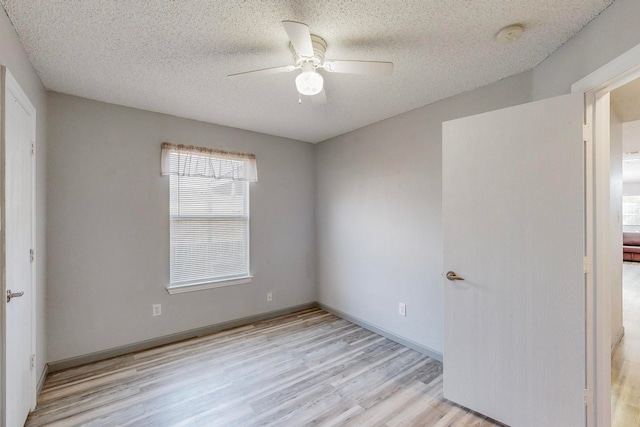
{"x":173,"y":56}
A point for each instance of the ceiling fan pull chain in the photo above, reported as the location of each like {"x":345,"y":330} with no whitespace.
{"x":299,"y":98}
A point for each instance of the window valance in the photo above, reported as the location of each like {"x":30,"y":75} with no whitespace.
{"x":187,"y":160}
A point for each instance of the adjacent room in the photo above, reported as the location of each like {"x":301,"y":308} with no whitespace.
{"x":625,"y":279}
{"x":335,"y":213}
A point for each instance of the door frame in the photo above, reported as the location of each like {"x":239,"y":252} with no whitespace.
{"x":10,"y":84}
{"x":596,"y":88}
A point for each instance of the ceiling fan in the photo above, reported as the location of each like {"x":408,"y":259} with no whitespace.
{"x":308,"y":55}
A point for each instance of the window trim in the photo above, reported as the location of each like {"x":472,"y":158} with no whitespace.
{"x":249,"y":160}
{"x":192,"y":287}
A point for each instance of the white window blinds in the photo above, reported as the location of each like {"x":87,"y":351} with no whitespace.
{"x":209,"y":210}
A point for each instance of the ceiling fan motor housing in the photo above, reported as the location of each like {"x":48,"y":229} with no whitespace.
{"x":319,"y":49}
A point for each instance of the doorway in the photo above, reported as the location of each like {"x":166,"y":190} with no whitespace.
{"x":625,"y":279}
{"x":602,"y":237}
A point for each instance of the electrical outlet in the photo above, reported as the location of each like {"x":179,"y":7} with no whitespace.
{"x":402,"y":309}
{"x":157,"y":309}
{"x":269,"y":296}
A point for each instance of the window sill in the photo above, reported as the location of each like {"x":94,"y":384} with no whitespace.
{"x":179,"y":289}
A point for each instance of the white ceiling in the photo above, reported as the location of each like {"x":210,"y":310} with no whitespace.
{"x":173,"y":56}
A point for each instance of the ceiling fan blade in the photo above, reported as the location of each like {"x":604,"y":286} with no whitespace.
{"x":370,"y":68}
{"x":264,"y":71}
{"x":319,"y":99}
{"x":300,"y":37}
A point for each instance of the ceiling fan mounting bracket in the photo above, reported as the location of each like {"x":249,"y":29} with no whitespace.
{"x":319,"y":49}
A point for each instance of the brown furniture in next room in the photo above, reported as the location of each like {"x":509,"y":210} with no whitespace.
{"x":631,"y":246}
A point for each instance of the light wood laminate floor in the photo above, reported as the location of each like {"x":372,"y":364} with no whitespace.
{"x":625,"y":363}
{"x":308,"y":368}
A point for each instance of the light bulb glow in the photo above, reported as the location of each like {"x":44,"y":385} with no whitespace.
{"x":309,"y":82}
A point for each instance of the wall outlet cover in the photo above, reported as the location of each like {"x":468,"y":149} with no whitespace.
{"x":402,"y":309}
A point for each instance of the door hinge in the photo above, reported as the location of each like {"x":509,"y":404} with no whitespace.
{"x":33,"y":147}
{"x":587,"y":265}
{"x":33,"y":361}
{"x":588,"y":398}
{"x":587,"y":133}
{"x":32,"y":255}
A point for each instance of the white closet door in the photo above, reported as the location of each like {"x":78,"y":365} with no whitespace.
{"x":18,"y":239}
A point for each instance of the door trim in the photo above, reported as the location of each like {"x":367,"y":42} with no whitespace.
{"x":596,"y":88}
{"x":10,"y":84}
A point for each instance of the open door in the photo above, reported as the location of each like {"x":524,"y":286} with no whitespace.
{"x":514,"y":230}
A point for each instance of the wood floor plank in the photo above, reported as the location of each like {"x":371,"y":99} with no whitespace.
{"x":625,"y":361}
{"x":307,"y":368}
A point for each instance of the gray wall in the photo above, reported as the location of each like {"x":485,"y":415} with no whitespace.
{"x":13,"y":56}
{"x":376,"y":211}
{"x":379,"y":225}
{"x":108,"y":234}
{"x":379,"y":215}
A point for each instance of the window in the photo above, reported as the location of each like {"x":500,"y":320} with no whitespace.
{"x":631,"y":213}
{"x":209,"y":217}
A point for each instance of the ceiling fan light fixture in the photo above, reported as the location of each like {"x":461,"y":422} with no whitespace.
{"x":309,"y":82}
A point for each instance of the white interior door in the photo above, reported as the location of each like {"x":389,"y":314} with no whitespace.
{"x":513,"y":218}
{"x":18,"y":240}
